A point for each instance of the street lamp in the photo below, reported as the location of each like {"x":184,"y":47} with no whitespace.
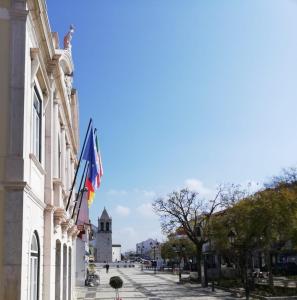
{"x":178,"y":249}
{"x":154,"y":247}
{"x":141,"y":248}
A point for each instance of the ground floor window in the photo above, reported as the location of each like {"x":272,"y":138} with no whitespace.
{"x":34,"y":267}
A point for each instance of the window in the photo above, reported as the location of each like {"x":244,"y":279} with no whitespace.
{"x":102,"y":226}
{"x":34,"y":268}
{"x":107,"y":226}
{"x":37,"y":125}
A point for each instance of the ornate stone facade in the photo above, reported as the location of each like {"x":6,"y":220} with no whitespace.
{"x":38,"y":155}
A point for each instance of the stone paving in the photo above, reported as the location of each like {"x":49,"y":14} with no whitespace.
{"x":146,"y":285}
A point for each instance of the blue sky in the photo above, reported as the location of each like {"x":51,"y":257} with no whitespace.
{"x":191,"y":92}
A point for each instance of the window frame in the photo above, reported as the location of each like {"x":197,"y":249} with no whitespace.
{"x":36,"y":95}
{"x":34,"y":255}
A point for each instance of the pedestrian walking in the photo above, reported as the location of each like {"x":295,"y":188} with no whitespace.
{"x":107,"y":267}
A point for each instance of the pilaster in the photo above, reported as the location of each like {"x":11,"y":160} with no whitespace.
{"x":14,"y":197}
{"x":49,"y":254}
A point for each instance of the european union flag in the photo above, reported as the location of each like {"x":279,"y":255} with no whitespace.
{"x":90,"y":154}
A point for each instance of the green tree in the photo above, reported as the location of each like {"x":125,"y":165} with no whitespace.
{"x":167,"y":251}
{"x":265,"y":221}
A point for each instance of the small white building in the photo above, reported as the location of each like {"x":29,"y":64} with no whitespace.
{"x":82,"y":257}
{"x":116,"y":253}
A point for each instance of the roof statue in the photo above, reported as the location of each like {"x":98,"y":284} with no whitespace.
{"x":68,"y":38}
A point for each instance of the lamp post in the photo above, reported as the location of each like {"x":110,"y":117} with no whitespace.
{"x":231,"y":239}
{"x":154,"y":247}
{"x":140,"y":248}
{"x":178,"y":249}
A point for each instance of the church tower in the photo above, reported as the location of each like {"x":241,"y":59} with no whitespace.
{"x":104,"y":238}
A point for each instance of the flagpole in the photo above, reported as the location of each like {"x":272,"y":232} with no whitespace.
{"x":82,"y":194}
{"x":79,"y":189}
{"x":79,"y":161}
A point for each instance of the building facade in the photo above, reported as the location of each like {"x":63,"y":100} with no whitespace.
{"x":149,"y":249}
{"x":38,"y":155}
{"x":116,"y":253}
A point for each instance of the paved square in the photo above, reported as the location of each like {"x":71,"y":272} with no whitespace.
{"x":146,"y":285}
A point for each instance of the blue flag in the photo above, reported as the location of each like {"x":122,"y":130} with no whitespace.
{"x":90,"y":154}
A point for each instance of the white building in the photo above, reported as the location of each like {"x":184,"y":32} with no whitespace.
{"x":116,"y":253}
{"x":149,"y":248}
{"x":38,"y":155}
{"x":82,"y":257}
{"x":82,"y":241}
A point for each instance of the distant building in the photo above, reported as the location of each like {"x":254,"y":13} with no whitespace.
{"x":149,"y":249}
{"x":116,"y":253}
{"x":103,"y":238}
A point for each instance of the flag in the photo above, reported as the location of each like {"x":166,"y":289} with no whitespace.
{"x":90,"y":154}
{"x":100,"y":174}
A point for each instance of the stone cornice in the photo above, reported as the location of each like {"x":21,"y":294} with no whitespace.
{"x":15,"y":185}
{"x":41,"y":24}
{"x":53,"y":64}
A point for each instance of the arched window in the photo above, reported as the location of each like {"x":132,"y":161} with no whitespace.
{"x":34,"y":267}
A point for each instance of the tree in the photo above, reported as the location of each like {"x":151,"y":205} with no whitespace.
{"x":184,"y":209}
{"x":167,"y":251}
{"x":262,"y":221}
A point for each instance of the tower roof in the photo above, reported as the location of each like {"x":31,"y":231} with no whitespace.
{"x":104,"y":215}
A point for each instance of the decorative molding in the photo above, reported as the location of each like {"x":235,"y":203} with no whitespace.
{"x":50,"y":208}
{"x":37,"y":164}
{"x":65,"y":226}
{"x":60,"y":216}
{"x":57,"y":182}
{"x":72,"y":232}
{"x":26,"y":188}
{"x":35,"y":63}
{"x":16,"y":185}
{"x":34,"y":197}
{"x":53,"y":63}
